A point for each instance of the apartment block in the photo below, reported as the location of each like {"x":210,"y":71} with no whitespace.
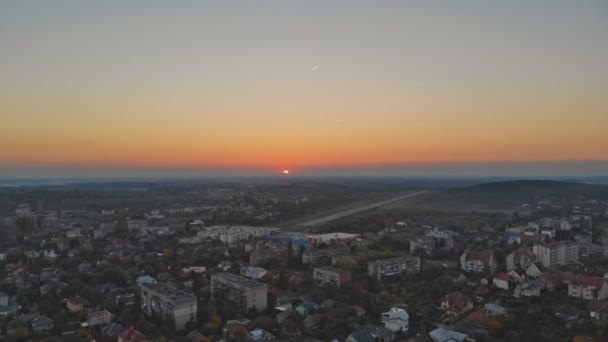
{"x":331,"y":276}
{"x":169,"y":303}
{"x":380,"y":269}
{"x":556,"y":253}
{"x":240,"y":292}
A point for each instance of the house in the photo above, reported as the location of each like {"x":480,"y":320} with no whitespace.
{"x":41,"y":324}
{"x":331,"y":276}
{"x":371,"y":333}
{"x":52,"y":287}
{"x":534,"y":271}
{"x":76,"y":304}
{"x":224,"y":266}
{"x":14,"y":326}
{"x":502,"y":281}
{"x":253,"y":272}
{"x":598,"y":309}
{"x":102,"y":317}
{"x":144,"y":280}
{"x":307,"y":308}
{"x":482,"y":261}
{"x":517,"y":276}
{"x":530,"y":288}
{"x":4,"y":299}
{"x":456,"y":303}
{"x":261,"y":335}
{"x":396,"y":319}
{"x":125,"y":299}
{"x":520,"y":259}
{"x":131,"y":335}
{"x":445,"y":335}
{"x":492,"y":309}
{"x":112,"y":330}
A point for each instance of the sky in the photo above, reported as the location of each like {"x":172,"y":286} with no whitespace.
{"x":255,"y":87}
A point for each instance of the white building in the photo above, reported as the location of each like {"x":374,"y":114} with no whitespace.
{"x":482,"y":261}
{"x":396,"y":319}
{"x":556,"y":253}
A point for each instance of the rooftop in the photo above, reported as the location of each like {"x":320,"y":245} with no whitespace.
{"x":391,"y":260}
{"x":169,"y":291}
{"x":330,"y":269}
{"x":238,"y":280}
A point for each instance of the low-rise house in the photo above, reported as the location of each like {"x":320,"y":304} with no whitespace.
{"x":456,"y":303}
{"x":371,"y":333}
{"x":112,"y":330}
{"x":4,"y":299}
{"x":396,"y":319}
{"x":492,"y":309}
{"x":253,"y":272}
{"x":76,"y":304}
{"x":308,"y":308}
{"x":15,"y":326}
{"x":41,"y":324}
{"x":598,"y":309}
{"x":502,"y":281}
{"x":520,"y":259}
{"x":261,"y":335}
{"x":331,"y":276}
{"x":131,"y":335}
{"x":445,"y":335}
{"x":517,"y":276}
{"x":482,"y":261}
{"x":102,"y":317}
{"x":86,"y":267}
{"x":224,"y":266}
{"x":125,"y":299}
{"x":146,"y":279}
{"x":529,"y":289}
{"x":52,"y":287}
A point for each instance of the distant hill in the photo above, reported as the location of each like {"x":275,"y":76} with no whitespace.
{"x":529,"y":188}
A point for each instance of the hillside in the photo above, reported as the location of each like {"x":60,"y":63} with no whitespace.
{"x":522,"y":189}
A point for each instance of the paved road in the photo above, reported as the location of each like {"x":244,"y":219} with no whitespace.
{"x":348,"y":212}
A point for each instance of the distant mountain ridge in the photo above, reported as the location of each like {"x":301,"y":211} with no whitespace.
{"x":534,"y":187}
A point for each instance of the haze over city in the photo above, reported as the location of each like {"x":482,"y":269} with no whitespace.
{"x":244,"y":88}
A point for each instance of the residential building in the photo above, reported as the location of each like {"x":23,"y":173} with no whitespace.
{"x":585,"y":287}
{"x":445,"y":335}
{"x":102,"y":317}
{"x":41,"y":324}
{"x":482,"y":261}
{"x":492,"y":309}
{"x":556,"y":253}
{"x":520,"y":259}
{"x":598,"y":309}
{"x":331,"y":276}
{"x":131,"y":335}
{"x":240,"y":292}
{"x":331,"y":238}
{"x":168,"y":302}
{"x":396,"y":319}
{"x":502,"y":281}
{"x":380,"y":269}
{"x":456,"y":303}
{"x":529,"y":289}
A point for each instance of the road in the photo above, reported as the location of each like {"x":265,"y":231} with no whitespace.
{"x":328,"y":218}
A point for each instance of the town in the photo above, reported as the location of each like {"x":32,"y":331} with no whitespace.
{"x":219,"y":264}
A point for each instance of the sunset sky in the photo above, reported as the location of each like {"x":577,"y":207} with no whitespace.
{"x":262,"y":86}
